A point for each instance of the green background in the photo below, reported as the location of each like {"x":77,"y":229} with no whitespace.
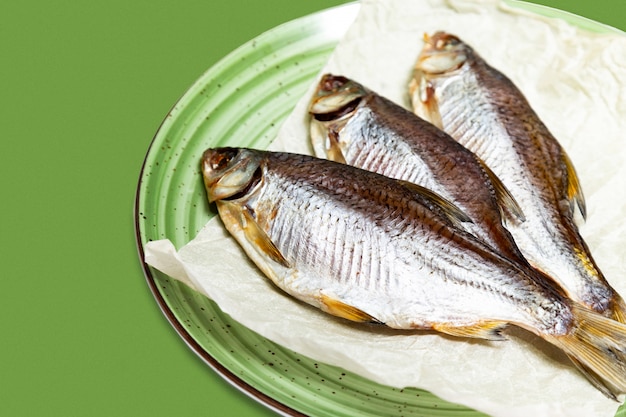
{"x":83,"y":89}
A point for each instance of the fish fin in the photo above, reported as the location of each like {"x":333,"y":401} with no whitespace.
{"x":241,"y":224}
{"x":423,"y":99}
{"x":574,"y":190}
{"x":340,"y":309}
{"x":506,"y":202}
{"x":333,"y":150}
{"x":449,"y":209}
{"x":490,"y":330}
{"x":325,"y":140}
{"x":618,"y":308}
{"x":597,"y":346}
{"x":257,"y":236}
{"x":595,"y":379}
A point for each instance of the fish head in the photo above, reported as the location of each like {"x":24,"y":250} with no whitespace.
{"x":335,"y":101}
{"x":442,"y":56}
{"x":230,"y":173}
{"x":442,"y":53}
{"x":234,"y":178}
{"x":335,"y":96}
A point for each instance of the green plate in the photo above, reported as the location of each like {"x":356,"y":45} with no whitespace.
{"x":242,"y":101}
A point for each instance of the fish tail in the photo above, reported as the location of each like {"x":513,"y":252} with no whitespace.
{"x":618,"y":309}
{"x":597,"y":346}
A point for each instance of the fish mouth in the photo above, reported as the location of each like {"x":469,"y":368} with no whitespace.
{"x":230,"y":173}
{"x":335,"y":97}
{"x":442,"y":53}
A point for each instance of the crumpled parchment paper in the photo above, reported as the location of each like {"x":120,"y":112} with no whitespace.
{"x":576,"y":81}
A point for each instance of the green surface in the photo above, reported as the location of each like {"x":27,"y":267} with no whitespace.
{"x":84,"y":88}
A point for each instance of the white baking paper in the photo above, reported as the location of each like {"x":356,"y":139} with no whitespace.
{"x":576,"y":81}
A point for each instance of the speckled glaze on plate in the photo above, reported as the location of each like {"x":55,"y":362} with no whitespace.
{"x":242,"y":101}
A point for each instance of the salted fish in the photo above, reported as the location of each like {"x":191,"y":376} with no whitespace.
{"x":480,"y":107}
{"x":369,"y":248}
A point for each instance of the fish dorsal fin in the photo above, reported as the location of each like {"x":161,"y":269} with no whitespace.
{"x":490,"y":330}
{"x":446,"y":207}
{"x":340,"y":309}
{"x":506,"y":202}
{"x":257,"y":236}
{"x":574,"y":190}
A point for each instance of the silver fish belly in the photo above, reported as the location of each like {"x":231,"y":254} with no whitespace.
{"x":482,"y":109}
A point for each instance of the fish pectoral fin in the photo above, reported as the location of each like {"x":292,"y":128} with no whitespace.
{"x":574,"y":190}
{"x":259,"y":238}
{"x":506,"y":202}
{"x":333,"y":150}
{"x":423,"y":100}
{"x":447,"y":208}
{"x":490,"y":330}
{"x":340,"y":309}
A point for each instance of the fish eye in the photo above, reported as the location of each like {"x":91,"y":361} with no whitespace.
{"x":451,"y":42}
{"x":333,"y":82}
{"x":220,"y":160}
{"x":447,"y":42}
